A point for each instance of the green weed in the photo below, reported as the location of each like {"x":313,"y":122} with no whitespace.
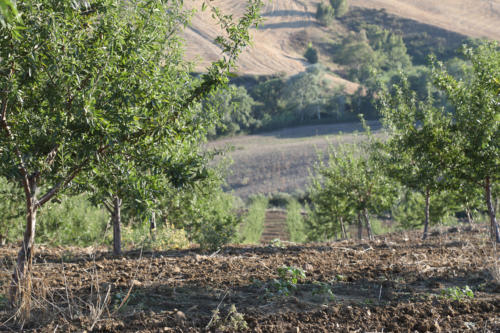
{"x":457,"y":293}
{"x":288,"y":278}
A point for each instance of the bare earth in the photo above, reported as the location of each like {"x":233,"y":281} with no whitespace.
{"x":281,"y":161}
{"x":392,"y":284}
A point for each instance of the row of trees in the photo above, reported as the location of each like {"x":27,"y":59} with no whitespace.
{"x":433,"y":151}
{"x":95,"y":96}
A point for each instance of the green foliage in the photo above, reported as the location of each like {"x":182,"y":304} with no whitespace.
{"x":234,"y":108}
{"x":341,"y":7}
{"x":253,"y":221}
{"x":303,"y":94}
{"x":233,"y":321}
{"x":166,"y":237}
{"x":288,"y":278}
{"x":72,"y":221}
{"x":311,"y":54}
{"x":280,"y":199}
{"x":295,"y":222}
{"x":457,"y":293}
{"x":207,"y":214}
{"x":11,"y":211}
{"x":476,"y":111}
{"x":324,"y":290}
{"x":325,"y":14}
{"x":10,"y":18}
{"x":352,"y":183}
{"x":89,"y":83}
{"x":409,"y":210}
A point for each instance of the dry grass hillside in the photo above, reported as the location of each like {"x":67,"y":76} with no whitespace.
{"x":474,"y":18}
{"x":289,"y":24}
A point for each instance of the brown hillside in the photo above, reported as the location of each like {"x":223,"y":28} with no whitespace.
{"x":479,"y":18}
{"x":289,"y":24}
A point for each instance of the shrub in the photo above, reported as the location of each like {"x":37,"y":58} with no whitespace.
{"x":311,"y":54}
{"x":166,"y":237}
{"x":325,"y":14}
{"x":72,"y":221}
{"x":341,"y":7}
{"x":295,"y":222}
{"x":253,"y":222}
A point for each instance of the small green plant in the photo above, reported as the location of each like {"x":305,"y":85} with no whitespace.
{"x":340,"y":277}
{"x":325,"y":290}
{"x":457,"y":293}
{"x":289,"y":277}
{"x":277,"y":243}
{"x":233,"y":321}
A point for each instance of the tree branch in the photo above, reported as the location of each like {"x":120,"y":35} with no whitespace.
{"x":71,"y":175}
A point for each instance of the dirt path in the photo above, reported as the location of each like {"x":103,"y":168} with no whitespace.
{"x":275,"y":227}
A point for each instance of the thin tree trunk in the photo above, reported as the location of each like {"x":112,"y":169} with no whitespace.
{"x":427,"y":205}
{"x":21,"y":281}
{"x":116,"y":217}
{"x":368,"y":224}
{"x":152,"y":226}
{"x":344,"y":234}
{"x":469,"y":215}
{"x":495,"y":233}
{"x":360,"y":227}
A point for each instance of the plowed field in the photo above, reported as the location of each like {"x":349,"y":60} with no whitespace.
{"x":396,"y":283}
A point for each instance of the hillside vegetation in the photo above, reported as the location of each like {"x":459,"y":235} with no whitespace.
{"x":281,"y":39}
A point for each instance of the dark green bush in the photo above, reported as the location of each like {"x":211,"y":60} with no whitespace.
{"x":311,"y":54}
{"x":325,"y":14}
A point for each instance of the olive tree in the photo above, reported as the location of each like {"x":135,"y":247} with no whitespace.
{"x":86,"y":79}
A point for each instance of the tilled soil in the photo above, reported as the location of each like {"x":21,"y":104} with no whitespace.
{"x":396,"y":283}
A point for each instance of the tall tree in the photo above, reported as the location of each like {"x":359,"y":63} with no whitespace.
{"x":419,"y":151}
{"x":86,"y":79}
{"x":476,"y":102}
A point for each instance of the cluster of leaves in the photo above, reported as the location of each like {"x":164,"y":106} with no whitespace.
{"x":288,"y":278}
{"x":457,"y":293}
{"x":325,"y":14}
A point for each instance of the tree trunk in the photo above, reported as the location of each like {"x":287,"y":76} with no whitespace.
{"x":495,"y":233}
{"x":117,"y":233}
{"x":469,"y":215}
{"x":360,"y":227}
{"x":152,"y":226}
{"x":342,"y":227}
{"x":368,"y":224}
{"x":20,"y":291}
{"x":427,"y":205}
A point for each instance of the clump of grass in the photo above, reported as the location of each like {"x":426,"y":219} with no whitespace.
{"x":295,"y":222}
{"x":253,"y":222}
